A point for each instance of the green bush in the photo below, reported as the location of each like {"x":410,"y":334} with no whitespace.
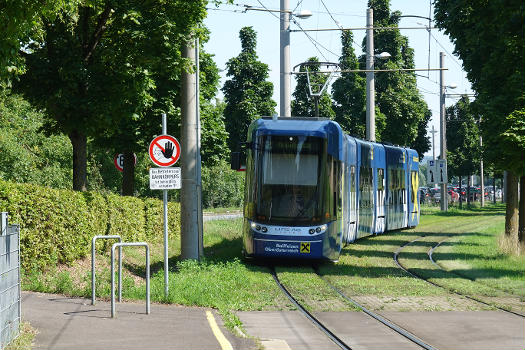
{"x":57,"y":225}
{"x":221,"y":186}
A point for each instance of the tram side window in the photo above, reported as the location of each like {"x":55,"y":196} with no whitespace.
{"x":380,"y":179}
{"x":401,"y":178}
{"x":415,"y":187}
{"x":365,"y":187}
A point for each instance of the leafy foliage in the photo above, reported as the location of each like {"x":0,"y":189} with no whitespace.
{"x":303,"y":104}
{"x":57,"y":225}
{"x":463,"y":151}
{"x":247,"y":94}
{"x":406,"y":113}
{"x":489,"y":38}
{"x":222,"y":187}
{"x":22,"y":23}
{"x":349,"y":94}
{"x":28,"y":155}
{"x":94,"y":71}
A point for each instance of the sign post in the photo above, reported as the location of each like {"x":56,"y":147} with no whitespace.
{"x":164,"y":151}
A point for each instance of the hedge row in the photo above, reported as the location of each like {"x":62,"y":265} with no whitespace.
{"x":57,"y":225}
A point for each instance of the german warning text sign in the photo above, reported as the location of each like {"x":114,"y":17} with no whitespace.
{"x":164,"y":178}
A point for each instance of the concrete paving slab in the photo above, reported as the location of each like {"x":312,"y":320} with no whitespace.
{"x":458,"y":330}
{"x":73,"y":323}
{"x":360,"y":331}
{"x":288,"y":326}
{"x":449,"y":330}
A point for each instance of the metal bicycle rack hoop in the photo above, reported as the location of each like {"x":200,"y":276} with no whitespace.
{"x":93,"y":241}
{"x":133,"y":244}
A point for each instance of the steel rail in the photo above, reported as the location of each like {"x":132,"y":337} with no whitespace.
{"x":396,"y":260}
{"x":307,"y":314}
{"x":431,"y":251}
{"x":377,"y":317}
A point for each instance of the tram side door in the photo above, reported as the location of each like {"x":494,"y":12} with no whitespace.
{"x":352,"y":204}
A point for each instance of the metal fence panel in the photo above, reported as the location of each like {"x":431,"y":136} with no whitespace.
{"x":10,"y":301}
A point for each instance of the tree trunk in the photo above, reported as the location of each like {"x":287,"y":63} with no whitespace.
{"x":128,"y":174}
{"x":79,"y":142}
{"x":511,"y":216}
{"x":521,"y":228}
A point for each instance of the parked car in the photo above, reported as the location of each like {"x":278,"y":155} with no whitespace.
{"x":424,"y":195}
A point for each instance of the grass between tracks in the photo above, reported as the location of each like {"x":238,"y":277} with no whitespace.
{"x":366,"y":270}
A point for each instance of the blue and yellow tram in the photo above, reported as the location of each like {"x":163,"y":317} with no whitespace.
{"x":310,"y":188}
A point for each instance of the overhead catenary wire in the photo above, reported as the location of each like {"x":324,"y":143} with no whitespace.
{"x":315,"y":42}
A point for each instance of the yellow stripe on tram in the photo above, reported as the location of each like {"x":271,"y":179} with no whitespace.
{"x":225,"y":344}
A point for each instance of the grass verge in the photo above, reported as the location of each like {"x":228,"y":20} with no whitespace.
{"x":366,"y":270}
{"x":25,"y":340}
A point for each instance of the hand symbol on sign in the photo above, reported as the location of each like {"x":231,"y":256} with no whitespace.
{"x":168,"y":150}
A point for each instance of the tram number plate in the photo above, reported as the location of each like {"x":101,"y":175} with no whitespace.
{"x":305,"y":247}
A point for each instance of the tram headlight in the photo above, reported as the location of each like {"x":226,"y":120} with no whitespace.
{"x":311,"y":231}
{"x":258,"y":227}
{"x":318,"y":230}
{"x":323,"y":228}
{"x":264,"y":229}
{"x":253,"y":225}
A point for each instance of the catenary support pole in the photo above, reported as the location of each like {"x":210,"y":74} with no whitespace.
{"x":443,"y":127}
{"x":433,"y":132}
{"x":198,"y":132}
{"x":189,"y":157}
{"x":370,"y":83}
{"x":285,"y":76}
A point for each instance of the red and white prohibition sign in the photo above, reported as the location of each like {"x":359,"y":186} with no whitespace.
{"x":164,"y":150}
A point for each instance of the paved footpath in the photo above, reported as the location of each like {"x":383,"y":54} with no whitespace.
{"x":73,"y":323}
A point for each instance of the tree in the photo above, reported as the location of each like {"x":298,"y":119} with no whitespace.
{"x":406,"y":113}
{"x":303,"y":104}
{"x":489,"y":38}
{"x":28,"y":155}
{"x":349,"y":94}
{"x":20,"y":23}
{"x":463,"y":150}
{"x":247,"y":93}
{"x":94,"y":70}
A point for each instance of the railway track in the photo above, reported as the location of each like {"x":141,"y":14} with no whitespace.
{"x":338,"y":341}
{"x":431,"y":252}
{"x":334,"y":338}
{"x":411,"y":273}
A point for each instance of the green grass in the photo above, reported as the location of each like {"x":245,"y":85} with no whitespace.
{"x":366,"y":270}
{"x":25,"y":339}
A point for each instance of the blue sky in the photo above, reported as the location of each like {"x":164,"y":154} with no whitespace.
{"x":225,"y":22}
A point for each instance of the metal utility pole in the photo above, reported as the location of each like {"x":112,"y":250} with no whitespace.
{"x":191,"y":240}
{"x":443,"y":127}
{"x":481,"y":172}
{"x":433,"y":132}
{"x":370,"y":84}
{"x":285,"y":76}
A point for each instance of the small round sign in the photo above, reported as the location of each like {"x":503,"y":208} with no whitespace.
{"x":164,"y":150}
{"x":119,"y":161}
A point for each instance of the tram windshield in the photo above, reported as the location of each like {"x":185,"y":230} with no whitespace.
{"x":289,"y":179}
